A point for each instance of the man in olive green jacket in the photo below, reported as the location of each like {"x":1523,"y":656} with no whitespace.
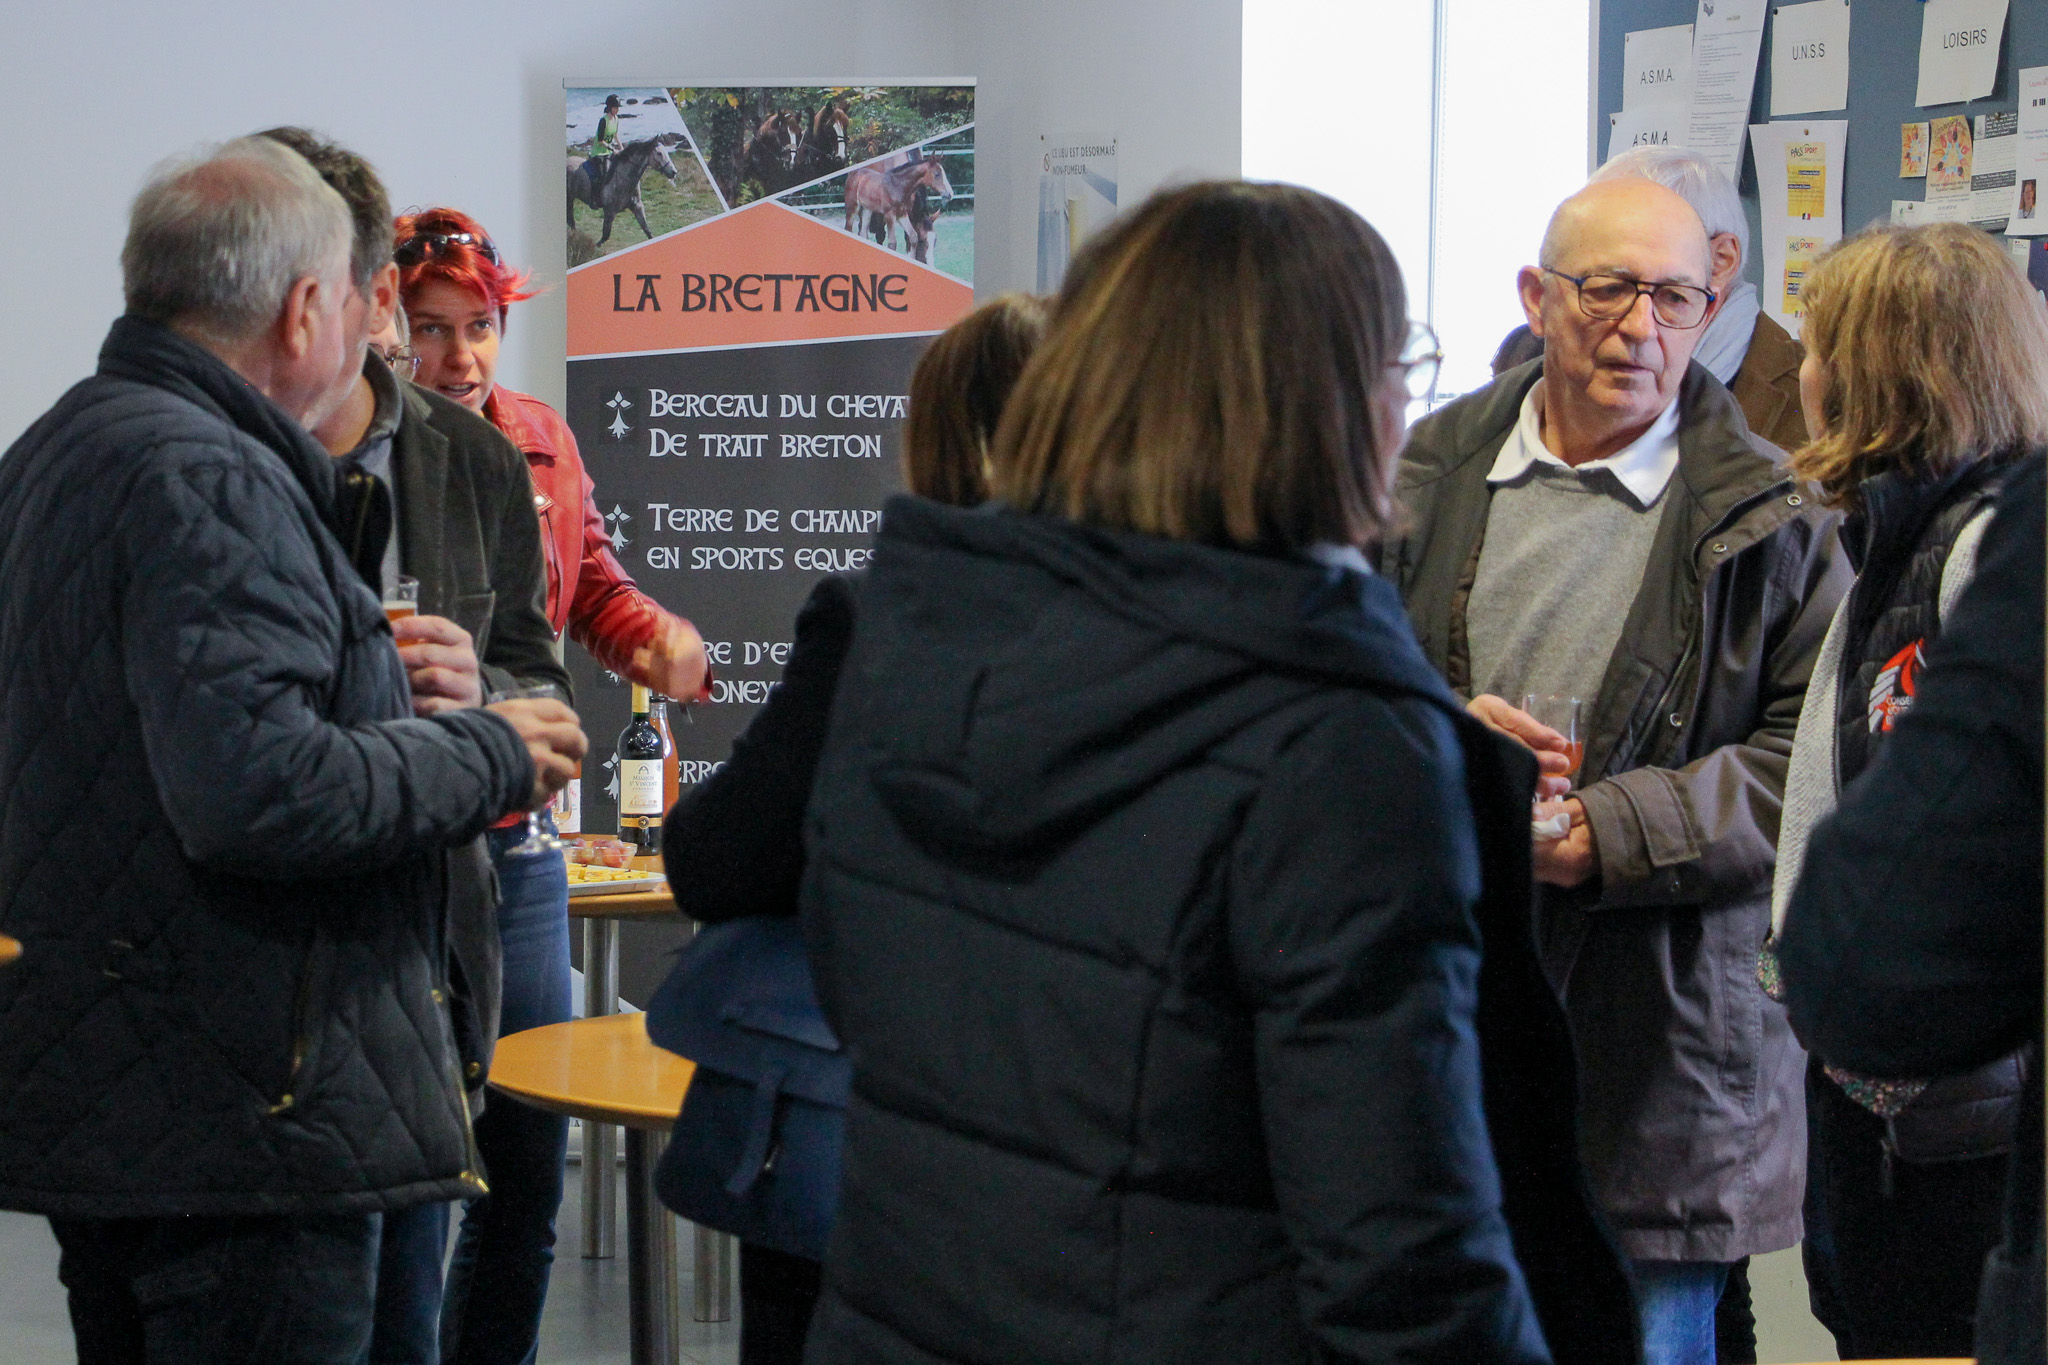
{"x":1602,"y":523}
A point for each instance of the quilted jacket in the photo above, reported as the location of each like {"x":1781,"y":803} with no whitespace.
{"x":222,"y":835}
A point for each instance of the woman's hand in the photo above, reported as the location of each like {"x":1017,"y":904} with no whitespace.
{"x":673,"y":663}
{"x":1553,"y":761}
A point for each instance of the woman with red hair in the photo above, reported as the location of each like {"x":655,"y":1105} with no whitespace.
{"x":457,"y":289}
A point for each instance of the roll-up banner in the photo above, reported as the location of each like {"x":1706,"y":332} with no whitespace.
{"x":753,"y":273}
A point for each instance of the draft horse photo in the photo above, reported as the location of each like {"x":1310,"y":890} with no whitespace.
{"x":889,"y":197}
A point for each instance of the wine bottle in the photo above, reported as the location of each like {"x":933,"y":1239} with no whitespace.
{"x":640,"y":808}
{"x":671,"y":776}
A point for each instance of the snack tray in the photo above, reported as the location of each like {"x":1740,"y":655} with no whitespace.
{"x":652,"y":881}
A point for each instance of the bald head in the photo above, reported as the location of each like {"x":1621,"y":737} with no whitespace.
{"x":1608,"y":374}
{"x":1608,"y":212}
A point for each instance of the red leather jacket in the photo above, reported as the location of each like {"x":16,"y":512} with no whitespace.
{"x":589,"y":591}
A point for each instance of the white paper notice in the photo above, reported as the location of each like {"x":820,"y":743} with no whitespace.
{"x":1959,"y":42}
{"x":1656,"y":66}
{"x":2030,"y":160}
{"x":1652,"y":125}
{"x":1799,"y":196}
{"x":1994,"y":159}
{"x":1810,"y":58}
{"x":1727,"y":36}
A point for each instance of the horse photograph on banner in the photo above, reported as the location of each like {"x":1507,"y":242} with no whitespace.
{"x":630,"y":163}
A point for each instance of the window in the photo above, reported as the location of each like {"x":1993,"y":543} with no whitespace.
{"x":1453,"y":126}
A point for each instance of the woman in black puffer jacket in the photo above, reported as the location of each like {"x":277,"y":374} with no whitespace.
{"x":1151,"y":864}
{"x":740,"y":832}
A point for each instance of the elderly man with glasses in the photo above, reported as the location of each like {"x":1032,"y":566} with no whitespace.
{"x":1601,"y":524}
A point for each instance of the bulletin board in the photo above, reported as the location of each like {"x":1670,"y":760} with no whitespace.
{"x":1884,"y":64}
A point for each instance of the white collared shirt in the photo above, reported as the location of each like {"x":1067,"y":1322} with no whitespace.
{"x":1643,"y":467}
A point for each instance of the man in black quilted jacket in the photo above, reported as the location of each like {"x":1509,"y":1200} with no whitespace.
{"x":226,"y":1051}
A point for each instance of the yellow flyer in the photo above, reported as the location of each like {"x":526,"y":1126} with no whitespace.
{"x":1912,"y":151}
{"x":1799,"y":257}
{"x":1806,"y":180}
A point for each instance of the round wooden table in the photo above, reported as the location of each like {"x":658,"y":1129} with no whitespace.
{"x":604,"y":1070}
{"x":601,"y":915}
{"x":10,"y":949}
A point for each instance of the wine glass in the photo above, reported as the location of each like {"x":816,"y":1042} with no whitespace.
{"x":1559,"y":711}
{"x":540,"y":835}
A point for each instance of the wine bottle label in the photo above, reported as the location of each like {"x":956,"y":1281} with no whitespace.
{"x":640,"y":786}
{"x":569,"y":807}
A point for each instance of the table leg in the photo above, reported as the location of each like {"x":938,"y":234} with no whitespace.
{"x":653,"y":1303}
{"x":600,"y":1140}
{"x":711,"y":1277}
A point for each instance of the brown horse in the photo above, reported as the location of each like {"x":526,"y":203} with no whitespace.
{"x":828,"y":145}
{"x":890,"y":195}
{"x":769,"y":156}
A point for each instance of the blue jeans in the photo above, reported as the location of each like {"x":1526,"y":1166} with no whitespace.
{"x":506,"y":1246}
{"x":408,"y":1320}
{"x":220,"y":1291}
{"x":1676,"y":1300}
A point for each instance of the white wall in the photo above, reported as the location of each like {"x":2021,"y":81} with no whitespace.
{"x":1162,"y":76}
{"x":454,"y":103}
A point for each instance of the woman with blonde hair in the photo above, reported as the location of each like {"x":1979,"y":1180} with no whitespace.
{"x":1925,"y":386}
{"x":1150,"y":865}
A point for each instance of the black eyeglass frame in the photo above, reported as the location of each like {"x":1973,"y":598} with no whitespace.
{"x":1642,"y":287}
{"x":422,"y":245}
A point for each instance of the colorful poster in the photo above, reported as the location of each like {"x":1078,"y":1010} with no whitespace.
{"x":1912,"y":151}
{"x":754,"y":271}
{"x":1948,"y":158}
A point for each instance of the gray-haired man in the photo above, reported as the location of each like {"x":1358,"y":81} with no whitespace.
{"x":221,"y":1064}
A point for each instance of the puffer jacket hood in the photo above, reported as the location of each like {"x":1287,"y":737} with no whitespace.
{"x":1059,"y":728}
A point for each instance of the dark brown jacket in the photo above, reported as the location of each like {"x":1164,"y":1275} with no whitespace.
{"x":1766,"y":387}
{"x":1692,"y":1118}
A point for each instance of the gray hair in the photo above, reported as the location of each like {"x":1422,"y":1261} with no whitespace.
{"x":1692,"y":178}
{"x":217,"y":240}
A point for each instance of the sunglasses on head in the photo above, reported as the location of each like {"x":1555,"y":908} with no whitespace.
{"x":415,"y":249}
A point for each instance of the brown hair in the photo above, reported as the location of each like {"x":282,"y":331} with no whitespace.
{"x":957,"y":395}
{"x":351,"y":177}
{"x":1210,"y":375}
{"x":1933,"y":353}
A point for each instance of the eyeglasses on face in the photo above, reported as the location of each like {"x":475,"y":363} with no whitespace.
{"x":420,"y":246}
{"x":1608,"y":297}
{"x":396,"y":356}
{"x":1421,"y":358}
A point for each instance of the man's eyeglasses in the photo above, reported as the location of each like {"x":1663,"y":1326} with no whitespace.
{"x":1421,"y":358}
{"x":397,"y":356}
{"x":418,"y":248}
{"x":1608,"y":297}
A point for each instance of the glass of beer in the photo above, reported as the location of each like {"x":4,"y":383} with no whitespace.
{"x":1560,"y":712}
{"x":402,"y":599}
